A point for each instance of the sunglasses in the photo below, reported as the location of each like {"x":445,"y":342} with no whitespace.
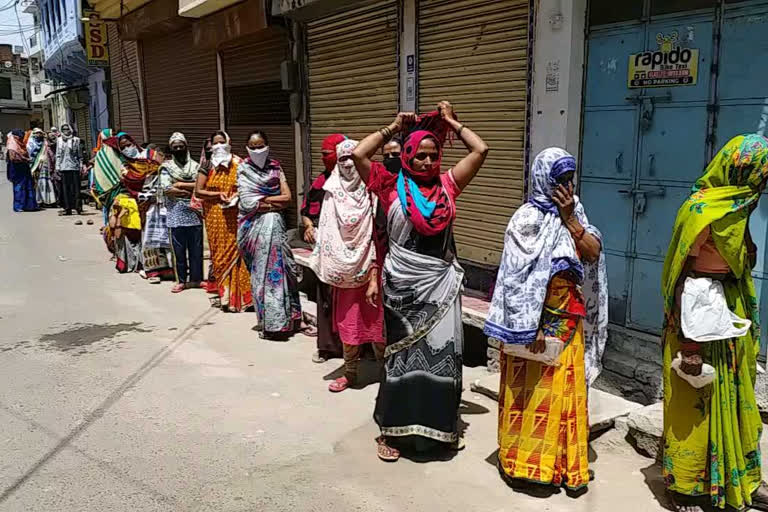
{"x":392,"y":155}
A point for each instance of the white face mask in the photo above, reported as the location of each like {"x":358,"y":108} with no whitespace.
{"x":221,"y":154}
{"x":131,"y":151}
{"x":347,"y":168}
{"x":258,"y":156}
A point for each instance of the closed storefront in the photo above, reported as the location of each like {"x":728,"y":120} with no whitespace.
{"x":474,"y":53}
{"x":353,"y":74}
{"x":650,"y":128}
{"x":125,"y":93}
{"x":254,"y":99}
{"x":182,"y":89}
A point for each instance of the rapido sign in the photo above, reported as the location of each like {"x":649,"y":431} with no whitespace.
{"x":96,"y":42}
{"x":669,"y":66}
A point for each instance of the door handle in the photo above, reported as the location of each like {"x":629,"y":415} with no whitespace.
{"x":625,"y":192}
{"x":640,"y":202}
{"x":620,"y":162}
{"x":651,"y":164}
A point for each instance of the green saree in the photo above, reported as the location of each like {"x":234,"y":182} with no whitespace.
{"x":712,"y":434}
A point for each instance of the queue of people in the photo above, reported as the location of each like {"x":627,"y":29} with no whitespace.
{"x":384,"y":255}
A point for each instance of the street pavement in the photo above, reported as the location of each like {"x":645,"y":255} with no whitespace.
{"x":116,"y":395}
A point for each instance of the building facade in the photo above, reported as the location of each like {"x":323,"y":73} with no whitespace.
{"x":15,"y":102}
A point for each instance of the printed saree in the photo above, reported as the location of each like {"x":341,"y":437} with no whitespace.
{"x":712,"y":434}
{"x":233,"y":280}
{"x":264,"y":246}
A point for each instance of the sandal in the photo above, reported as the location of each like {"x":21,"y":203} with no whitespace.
{"x":338,"y":385}
{"x":309,"y":330}
{"x":386,"y":452}
{"x":78,"y":222}
{"x":178,"y":288}
{"x":317,"y":358}
{"x":154,"y":280}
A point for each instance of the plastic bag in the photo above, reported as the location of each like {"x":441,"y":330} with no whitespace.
{"x":704,"y":313}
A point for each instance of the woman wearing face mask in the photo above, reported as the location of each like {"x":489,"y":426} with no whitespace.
{"x":177,"y":184}
{"x":217,"y":187}
{"x":41,"y":168}
{"x":418,"y":401}
{"x":344,"y":258}
{"x":264,"y":193}
{"x":328,"y":343}
{"x":551,"y":298}
{"x":69,"y":161}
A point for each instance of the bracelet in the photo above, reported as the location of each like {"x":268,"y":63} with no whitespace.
{"x":458,"y":131}
{"x":386,"y":133}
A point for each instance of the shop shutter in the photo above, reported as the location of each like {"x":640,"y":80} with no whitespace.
{"x":83,"y":121}
{"x":126,"y":107}
{"x":254,"y":99}
{"x":353,"y":77}
{"x":181,"y":84}
{"x":474,"y":53}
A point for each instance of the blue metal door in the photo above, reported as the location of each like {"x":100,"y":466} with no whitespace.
{"x":642,"y":149}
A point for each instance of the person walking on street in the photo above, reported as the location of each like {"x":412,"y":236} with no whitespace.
{"x":712,"y":424}
{"x":69,"y":161}
{"x":264,"y":193}
{"x":418,"y":401}
{"x":217,"y":188}
{"x":177,"y":182}
{"x":345,"y":258}
{"x":550,"y":312}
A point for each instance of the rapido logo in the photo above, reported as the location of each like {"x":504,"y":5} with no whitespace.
{"x":668,"y":54}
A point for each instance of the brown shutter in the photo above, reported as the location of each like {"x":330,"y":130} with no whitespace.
{"x":353,"y":77}
{"x":254,"y":99}
{"x":181,"y":84}
{"x":474,"y":53}
{"x":126,"y":107}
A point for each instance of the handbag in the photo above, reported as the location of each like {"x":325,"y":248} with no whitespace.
{"x":156,"y":231}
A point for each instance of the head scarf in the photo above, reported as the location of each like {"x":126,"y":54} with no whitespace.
{"x":422,"y":197}
{"x":537,"y":246}
{"x":345,"y":249}
{"x":723,"y":199}
{"x":313,"y":199}
{"x":219,"y":158}
{"x":61,"y":132}
{"x":16,"y":147}
{"x":186,"y":172}
{"x":33,"y":145}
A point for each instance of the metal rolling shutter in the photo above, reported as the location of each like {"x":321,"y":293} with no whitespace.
{"x":353,"y":76}
{"x":126,"y":107}
{"x":254,"y":98}
{"x":181,"y":84}
{"x":474,"y":53}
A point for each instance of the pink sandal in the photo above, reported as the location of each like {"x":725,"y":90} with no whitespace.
{"x":178,"y":288}
{"x":338,"y":385}
{"x":386,"y":452}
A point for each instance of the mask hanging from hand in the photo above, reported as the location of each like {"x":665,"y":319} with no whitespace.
{"x":259,"y":156}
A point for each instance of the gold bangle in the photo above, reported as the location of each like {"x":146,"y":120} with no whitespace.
{"x":458,"y":132}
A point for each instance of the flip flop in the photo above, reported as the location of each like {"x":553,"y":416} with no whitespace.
{"x":78,"y":223}
{"x":90,"y":222}
{"x":338,"y":385}
{"x":309,"y":330}
{"x":317,"y":358}
{"x":178,"y":288}
{"x":386,"y":452}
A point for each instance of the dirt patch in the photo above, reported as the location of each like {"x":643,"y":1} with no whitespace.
{"x":80,"y":337}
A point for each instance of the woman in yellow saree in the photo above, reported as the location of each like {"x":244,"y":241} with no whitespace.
{"x":712,"y":433}
{"x":551,"y":292}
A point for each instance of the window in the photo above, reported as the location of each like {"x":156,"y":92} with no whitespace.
{"x":602,"y":12}
{"x":33,"y":41}
{"x":5,"y":88}
{"x":670,"y":6}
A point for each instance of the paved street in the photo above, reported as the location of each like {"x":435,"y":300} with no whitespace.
{"x":116,"y":395}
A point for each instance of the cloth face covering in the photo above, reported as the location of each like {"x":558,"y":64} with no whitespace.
{"x":258,"y":156}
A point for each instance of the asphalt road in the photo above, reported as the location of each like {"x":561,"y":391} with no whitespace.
{"x":116,"y":395}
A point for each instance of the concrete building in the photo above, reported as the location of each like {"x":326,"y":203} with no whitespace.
{"x":15,"y":102}
{"x":40,"y":85}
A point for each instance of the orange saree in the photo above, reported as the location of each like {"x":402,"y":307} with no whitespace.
{"x":233,"y":281}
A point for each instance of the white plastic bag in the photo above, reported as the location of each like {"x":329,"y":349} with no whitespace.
{"x":550,"y":356}
{"x":704,"y":312}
